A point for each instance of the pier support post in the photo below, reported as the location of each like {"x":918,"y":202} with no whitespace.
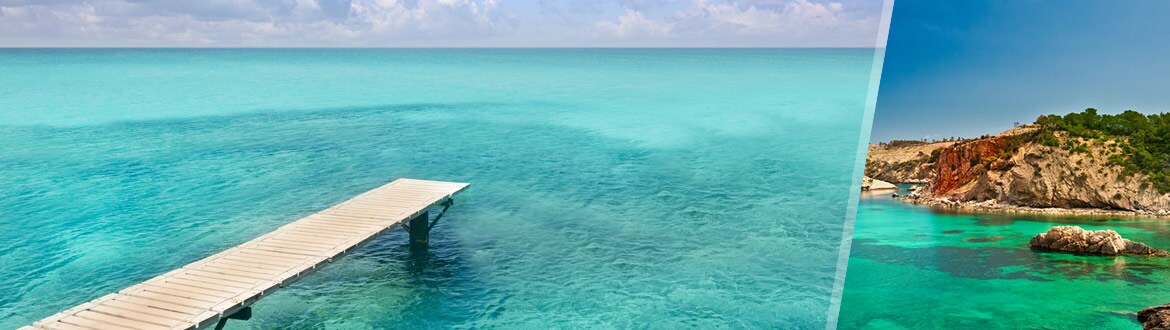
{"x":420,"y":229}
{"x":243,"y":315}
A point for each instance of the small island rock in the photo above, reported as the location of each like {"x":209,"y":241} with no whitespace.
{"x":868,"y":183}
{"x":1155,"y":318}
{"x":1078,"y":240}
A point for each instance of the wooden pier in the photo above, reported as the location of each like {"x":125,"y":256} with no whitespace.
{"x":208,"y":292}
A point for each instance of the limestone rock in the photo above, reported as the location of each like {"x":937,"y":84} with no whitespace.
{"x":868,"y":183}
{"x":1078,"y":240}
{"x":902,"y":164}
{"x":1155,"y":318}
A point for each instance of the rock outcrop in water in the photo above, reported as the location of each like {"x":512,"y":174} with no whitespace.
{"x":868,"y":184}
{"x":1155,"y":318}
{"x":1078,"y":240}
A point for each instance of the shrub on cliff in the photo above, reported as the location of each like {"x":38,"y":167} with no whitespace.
{"x":1145,"y":139}
{"x":894,"y":144}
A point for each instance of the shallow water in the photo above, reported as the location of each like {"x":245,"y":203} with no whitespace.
{"x":911,"y":267}
{"x":610,"y":188}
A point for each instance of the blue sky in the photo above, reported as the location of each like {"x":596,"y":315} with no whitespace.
{"x":439,"y":23}
{"x":967,"y":68}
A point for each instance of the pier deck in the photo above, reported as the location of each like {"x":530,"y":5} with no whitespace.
{"x":202,"y":293}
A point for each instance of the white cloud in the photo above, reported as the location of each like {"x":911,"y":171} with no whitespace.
{"x":434,"y":23}
{"x":761,"y":23}
{"x":244,"y":22}
{"x":633,"y":25}
{"x":427,"y":19}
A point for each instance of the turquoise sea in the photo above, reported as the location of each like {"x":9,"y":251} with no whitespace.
{"x":610,"y":188}
{"x":911,"y":267}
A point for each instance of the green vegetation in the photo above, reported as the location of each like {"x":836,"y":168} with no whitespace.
{"x":904,"y":143}
{"x":1012,"y":144}
{"x":1145,"y":139}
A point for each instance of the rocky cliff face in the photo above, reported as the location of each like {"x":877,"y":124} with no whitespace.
{"x":963,"y":162}
{"x":1008,"y":170}
{"x":909,"y":164}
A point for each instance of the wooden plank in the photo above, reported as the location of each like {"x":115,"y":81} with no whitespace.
{"x":169,"y":296}
{"x":163,"y":305}
{"x":79,"y":323}
{"x":312,"y":233}
{"x":199,"y":294}
{"x":270,"y":247}
{"x":243,"y":253}
{"x":229,"y":277}
{"x":76,"y":309}
{"x":360,"y":221}
{"x":290,"y":235}
{"x":224,"y":285}
{"x":189,"y":291}
{"x":387,"y":206}
{"x":167,"y":322}
{"x":261,"y":260}
{"x":337,"y":219}
{"x":59,"y":326}
{"x":118,"y":320}
{"x":275,"y":256}
{"x":302,"y":242}
{"x":225,"y":268}
{"x":247,"y":266}
{"x":350,"y":230}
{"x":312,"y":248}
{"x":357,"y":213}
{"x":145,"y":309}
{"x":336,"y":230}
{"x":381,"y":212}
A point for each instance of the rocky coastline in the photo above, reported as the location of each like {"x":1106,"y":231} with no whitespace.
{"x":993,"y":206}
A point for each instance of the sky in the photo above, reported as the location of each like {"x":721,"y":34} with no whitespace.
{"x":968,"y":68}
{"x":439,"y":23}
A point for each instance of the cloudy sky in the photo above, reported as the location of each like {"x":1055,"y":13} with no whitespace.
{"x":441,"y":23}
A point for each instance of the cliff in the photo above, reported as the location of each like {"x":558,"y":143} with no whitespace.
{"x":911,"y":163}
{"x":1010,"y":171}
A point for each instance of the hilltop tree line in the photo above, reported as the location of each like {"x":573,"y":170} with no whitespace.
{"x":1145,"y":139}
{"x":893,"y":144}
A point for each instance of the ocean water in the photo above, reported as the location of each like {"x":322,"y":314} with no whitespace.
{"x":610,"y":188}
{"x":914,"y":268}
